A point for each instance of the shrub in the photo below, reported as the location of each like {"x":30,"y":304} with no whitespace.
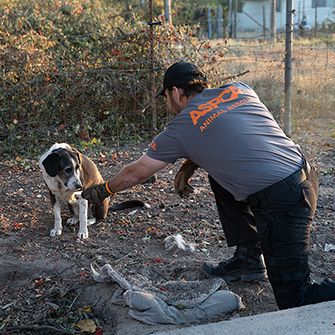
{"x":72,"y":71}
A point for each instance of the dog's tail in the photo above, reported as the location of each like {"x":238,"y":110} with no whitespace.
{"x":128,"y":204}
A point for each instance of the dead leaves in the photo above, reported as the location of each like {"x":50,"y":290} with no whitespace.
{"x":86,"y":326}
{"x":87,"y":323}
{"x":51,"y":306}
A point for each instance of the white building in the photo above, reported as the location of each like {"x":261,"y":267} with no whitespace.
{"x":251,"y":18}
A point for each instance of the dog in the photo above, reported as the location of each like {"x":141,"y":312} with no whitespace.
{"x":67,"y":172}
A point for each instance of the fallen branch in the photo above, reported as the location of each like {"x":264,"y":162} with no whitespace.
{"x":236,"y":75}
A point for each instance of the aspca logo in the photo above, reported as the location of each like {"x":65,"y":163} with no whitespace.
{"x":229,"y":94}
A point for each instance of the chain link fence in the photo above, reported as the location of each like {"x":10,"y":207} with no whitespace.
{"x":95,"y":87}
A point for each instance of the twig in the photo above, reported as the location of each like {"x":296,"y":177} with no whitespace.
{"x":7,"y":81}
{"x":74,"y":300}
{"x":54,"y":330}
{"x":159,"y":272}
{"x":236,"y":75}
{"x":122,"y":258}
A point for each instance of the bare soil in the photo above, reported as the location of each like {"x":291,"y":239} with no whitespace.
{"x":46,"y":285}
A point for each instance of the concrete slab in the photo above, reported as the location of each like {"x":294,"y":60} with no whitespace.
{"x":318,"y":319}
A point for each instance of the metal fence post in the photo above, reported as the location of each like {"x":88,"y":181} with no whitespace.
{"x":316,"y":18}
{"x":273,"y":20}
{"x":230,"y":18}
{"x":209,"y":22}
{"x":235,"y":19}
{"x":264,"y":22}
{"x":288,"y":67}
{"x":167,"y":6}
{"x":219,"y":21}
{"x":151,"y":62}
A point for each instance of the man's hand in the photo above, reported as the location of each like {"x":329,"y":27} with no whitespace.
{"x":181,"y":185}
{"x":96,"y":194}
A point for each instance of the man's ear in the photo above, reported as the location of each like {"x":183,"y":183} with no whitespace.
{"x":177,"y":93}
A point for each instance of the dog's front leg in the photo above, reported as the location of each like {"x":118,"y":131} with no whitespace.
{"x":57,"y":229}
{"x":83,"y":211}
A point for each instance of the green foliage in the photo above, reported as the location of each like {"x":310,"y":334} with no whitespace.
{"x":68,"y":71}
{"x":76,"y":70}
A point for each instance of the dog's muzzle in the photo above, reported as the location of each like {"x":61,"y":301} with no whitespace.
{"x":74,"y":186}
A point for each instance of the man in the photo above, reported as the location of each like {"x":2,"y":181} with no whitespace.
{"x":265,"y":191}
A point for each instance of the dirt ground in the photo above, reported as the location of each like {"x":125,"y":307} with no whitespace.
{"x":46,"y":285}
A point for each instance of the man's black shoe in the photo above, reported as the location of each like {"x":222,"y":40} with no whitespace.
{"x":247,"y":264}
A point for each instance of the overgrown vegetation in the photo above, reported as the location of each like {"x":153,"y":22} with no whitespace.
{"x":80,"y":71}
{"x":75,"y":71}
{"x":68,"y":70}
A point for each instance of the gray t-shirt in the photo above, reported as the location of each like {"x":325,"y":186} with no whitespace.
{"x":230,"y":133}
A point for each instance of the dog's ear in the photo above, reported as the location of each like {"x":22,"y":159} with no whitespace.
{"x":51,"y":164}
{"x":77,"y":154}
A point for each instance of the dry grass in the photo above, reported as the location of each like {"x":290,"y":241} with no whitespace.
{"x":313,"y":76}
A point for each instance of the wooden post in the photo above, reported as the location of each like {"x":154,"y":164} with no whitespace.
{"x":316,"y":18}
{"x":235,"y":18}
{"x":273,"y":21}
{"x":168,"y":17}
{"x":152,"y":66}
{"x":264,"y":23}
{"x":219,"y":21}
{"x":209,"y":22}
{"x":230,"y":19}
{"x":288,"y":68}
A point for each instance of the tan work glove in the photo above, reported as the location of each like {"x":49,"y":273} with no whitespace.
{"x":96,"y":194}
{"x":181,"y":185}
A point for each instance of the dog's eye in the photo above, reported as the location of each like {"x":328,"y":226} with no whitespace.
{"x":68,"y":170}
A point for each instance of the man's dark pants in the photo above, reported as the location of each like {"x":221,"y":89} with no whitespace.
{"x":280,"y":218}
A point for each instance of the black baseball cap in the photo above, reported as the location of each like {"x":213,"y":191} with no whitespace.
{"x":180,"y":73}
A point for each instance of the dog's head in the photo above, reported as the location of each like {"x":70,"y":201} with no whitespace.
{"x":64,"y":163}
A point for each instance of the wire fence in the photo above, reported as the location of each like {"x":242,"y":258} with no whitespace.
{"x":102,"y":94}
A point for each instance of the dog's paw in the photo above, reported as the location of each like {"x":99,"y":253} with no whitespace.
{"x":72,"y":221}
{"x":55,"y":232}
{"x":83,"y":234}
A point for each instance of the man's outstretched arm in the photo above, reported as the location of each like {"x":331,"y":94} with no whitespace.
{"x":130,"y":175}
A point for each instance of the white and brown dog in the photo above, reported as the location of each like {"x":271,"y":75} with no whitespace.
{"x":67,"y":172}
